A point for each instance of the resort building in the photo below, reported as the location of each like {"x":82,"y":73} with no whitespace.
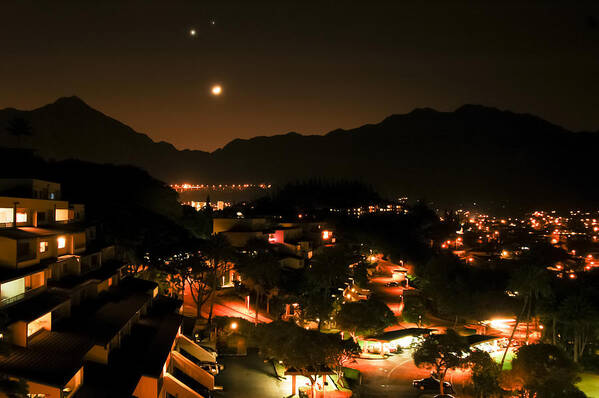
{"x":75,"y":324}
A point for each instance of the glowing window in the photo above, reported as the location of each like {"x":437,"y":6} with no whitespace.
{"x":12,"y":288}
{"x":62,"y":242}
{"x":44,"y":322}
{"x":62,"y":214}
{"x":6,"y":215}
{"x":326,"y":234}
{"x":21,"y":217}
{"x":43,"y":247}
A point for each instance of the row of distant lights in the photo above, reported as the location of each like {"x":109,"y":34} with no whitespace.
{"x":220,"y":186}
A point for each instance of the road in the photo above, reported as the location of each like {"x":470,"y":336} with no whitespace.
{"x":392,"y":377}
{"x":225,"y":305}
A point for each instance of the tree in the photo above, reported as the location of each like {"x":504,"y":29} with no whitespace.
{"x":196,"y":277}
{"x":309,"y":352}
{"x":485,"y":374}
{"x":328,"y":271}
{"x":177,"y":272}
{"x":531,"y":283}
{"x":364,"y":317}
{"x":19,"y":128}
{"x":339,"y":353}
{"x":581,"y":320}
{"x":260,"y":273}
{"x":360,"y":274}
{"x":442,"y":352}
{"x":546,"y":371}
{"x":218,"y":252}
{"x":10,"y":386}
{"x":414,"y":310}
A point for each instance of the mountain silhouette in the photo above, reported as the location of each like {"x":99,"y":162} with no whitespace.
{"x":475,"y":153}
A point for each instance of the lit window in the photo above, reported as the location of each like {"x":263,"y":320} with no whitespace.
{"x":6,"y":215}
{"x":44,"y":322}
{"x":326,"y":234}
{"x":43,"y":247}
{"x":62,"y":242}
{"x":62,"y":214}
{"x":21,"y":217}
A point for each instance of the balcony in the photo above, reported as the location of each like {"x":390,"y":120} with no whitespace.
{"x":15,"y":299}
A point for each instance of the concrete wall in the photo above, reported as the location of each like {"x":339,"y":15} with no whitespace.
{"x":8,"y":252}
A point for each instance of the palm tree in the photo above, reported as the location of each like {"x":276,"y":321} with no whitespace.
{"x":19,"y":128}
{"x":531,"y":283}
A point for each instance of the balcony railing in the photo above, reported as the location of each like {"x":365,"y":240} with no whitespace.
{"x":14,"y":299}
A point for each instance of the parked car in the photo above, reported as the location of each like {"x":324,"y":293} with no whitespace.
{"x":432,"y":384}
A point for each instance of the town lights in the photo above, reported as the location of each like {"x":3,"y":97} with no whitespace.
{"x":233,"y":325}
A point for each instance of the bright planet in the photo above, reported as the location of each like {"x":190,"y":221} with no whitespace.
{"x":216,"y":90}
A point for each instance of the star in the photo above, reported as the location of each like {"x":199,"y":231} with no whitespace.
{"x":192,"y":32}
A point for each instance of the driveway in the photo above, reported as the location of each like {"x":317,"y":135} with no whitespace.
{"x":249,"y":376}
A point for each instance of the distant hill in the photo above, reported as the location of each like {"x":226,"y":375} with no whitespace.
{"x":473,"y":154}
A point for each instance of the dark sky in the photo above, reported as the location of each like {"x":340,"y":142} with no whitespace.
{"x":299,"y":66}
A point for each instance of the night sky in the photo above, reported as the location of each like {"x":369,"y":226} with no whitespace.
{"x":299,"y":66}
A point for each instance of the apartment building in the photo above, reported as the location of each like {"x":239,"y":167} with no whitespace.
{"x":76,"y":325}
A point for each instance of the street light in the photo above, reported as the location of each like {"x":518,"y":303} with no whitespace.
{"x":233,"y":325}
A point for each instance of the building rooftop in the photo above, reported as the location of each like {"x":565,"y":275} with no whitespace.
{"x":144,"y":352}
{"x":27,"y":232}
{"x":106,"y":321}
{"x":398,"y":334}
{"x":9,"y":273}
{"x":108,"y":269}
{"x":35,"y":306}
{"x":52,"y":358}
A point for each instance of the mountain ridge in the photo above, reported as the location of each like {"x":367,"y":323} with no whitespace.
{"x":473,"y":153}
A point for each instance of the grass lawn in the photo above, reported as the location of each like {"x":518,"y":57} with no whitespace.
{"x":589,"y":384}
{"x":507,"y":365}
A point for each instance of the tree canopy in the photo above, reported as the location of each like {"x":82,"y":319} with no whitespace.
{"x":546,"y":370}
{"x":364,"y":317}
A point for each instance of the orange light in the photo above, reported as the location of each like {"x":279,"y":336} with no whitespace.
{"x":326,"y":235}
{"x":234,"y":325}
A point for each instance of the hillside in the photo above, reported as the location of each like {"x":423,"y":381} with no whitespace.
{"x":475,"y":153}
